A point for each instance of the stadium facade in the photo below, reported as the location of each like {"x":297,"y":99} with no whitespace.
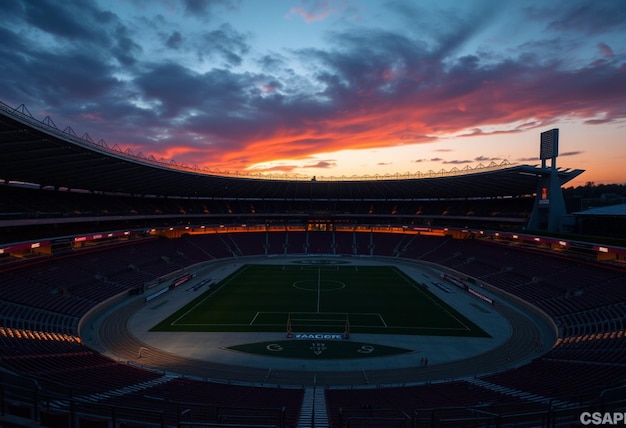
{"x":68,"y":201}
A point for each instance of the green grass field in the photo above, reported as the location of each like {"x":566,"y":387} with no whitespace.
{"x":320,"y":298}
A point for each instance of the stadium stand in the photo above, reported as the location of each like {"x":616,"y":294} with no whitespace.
{"x":72,"y":244}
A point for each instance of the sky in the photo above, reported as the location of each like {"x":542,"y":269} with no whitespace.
{"x":327,"y":88}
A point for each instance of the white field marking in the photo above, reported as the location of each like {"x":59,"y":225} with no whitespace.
{"x":436,"y":303}
{"x":223,"y":325}
{"x":402,"y":274}
{"x":175,"y":322}
{"x":341,"y":286}
{"x":347,"y":317}
{"x":338,"y":320}
{"x":382,"y":320}
{"x":414,"y":328}
{"x":353,"y":325}
{"x":313,"y":267}
{"x":254,"y":318}
{"x":319,"y":288}
{"x":260,"y":314}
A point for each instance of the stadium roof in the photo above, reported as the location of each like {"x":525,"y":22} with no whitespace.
{"x":611,"y":210}
{"x":37,"y":152}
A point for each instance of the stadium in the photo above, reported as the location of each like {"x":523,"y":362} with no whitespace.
{"x":142,"y":293}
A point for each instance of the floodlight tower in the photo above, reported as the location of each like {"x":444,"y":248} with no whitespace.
{"x":549,"y":210}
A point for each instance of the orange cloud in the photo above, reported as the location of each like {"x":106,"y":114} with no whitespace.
{"x":318,"y":11}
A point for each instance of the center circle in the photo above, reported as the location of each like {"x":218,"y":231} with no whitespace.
{"x":323,"y":285}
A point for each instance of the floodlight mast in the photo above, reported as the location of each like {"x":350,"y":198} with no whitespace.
{"x":549,"y":147}
{"x":549,"y":212}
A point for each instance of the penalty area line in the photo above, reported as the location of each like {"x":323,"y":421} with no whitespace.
{"x":202,"y":301}
{"x":382,"y":320}
{"x":254,"y":318}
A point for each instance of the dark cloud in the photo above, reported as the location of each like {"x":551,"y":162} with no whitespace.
{"x":486,"y":159}
{"x":60,"y":19}
{"x":274,"y":63}
{"x":56,"y":84}
{"x":573,"y":153}
{"x":366,"y":87}
{"x":597,"y":121}
{"x":175,"y":40}
{"x":322,"y":164}
{"x":457,"y":162}
{"x":226,"y":43}
{"x":75,"y":65}
{"x":124,"y":48}
{"x":428,"y":160}
{"x":460,"y":24}
{"x":214,"y":94}
{"x":586,"y":17}
{"x":14,"y":10}
{"x":196,"y":7}
{"x":205,"y":9}
{"x":605,"y":50}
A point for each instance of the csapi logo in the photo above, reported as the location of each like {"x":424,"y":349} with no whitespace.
{"x":606,"y":418}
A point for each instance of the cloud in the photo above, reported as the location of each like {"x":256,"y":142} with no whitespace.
{"x":124,"y":47}
{"x":605,"y":50}
{"x":322,"y":164}
{"x":206,"y":9}
{"x":175,"y":40}
{"x":486,"y":159}
{"x":478,"y":132}
{"x":233,"y":105}
{"x":427,"y":160}
{"x":319,"y":10}
{"x":277,"y":168}
{"x":225,"y":42}
{"x":457,"y":162}
{"x":572,"y":153}
{"x":597,"y":121}
{"x":589,"y":18}
{"x":60,"y":20}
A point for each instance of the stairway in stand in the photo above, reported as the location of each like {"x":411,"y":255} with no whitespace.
{"x":313,"y":412}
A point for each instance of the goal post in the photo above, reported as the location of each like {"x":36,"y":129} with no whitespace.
{"x":315,"y":321}
{"x":330,"y":322}
{"x":289,"y":332}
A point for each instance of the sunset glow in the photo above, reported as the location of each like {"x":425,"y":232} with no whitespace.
{"x":328,"y":88}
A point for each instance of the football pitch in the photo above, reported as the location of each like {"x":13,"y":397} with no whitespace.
{"x":331,"y":298}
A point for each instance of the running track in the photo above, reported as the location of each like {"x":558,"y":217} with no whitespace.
{"x":119,"y":342}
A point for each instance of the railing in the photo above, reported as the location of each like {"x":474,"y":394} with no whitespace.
{"x":22,"y":400}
